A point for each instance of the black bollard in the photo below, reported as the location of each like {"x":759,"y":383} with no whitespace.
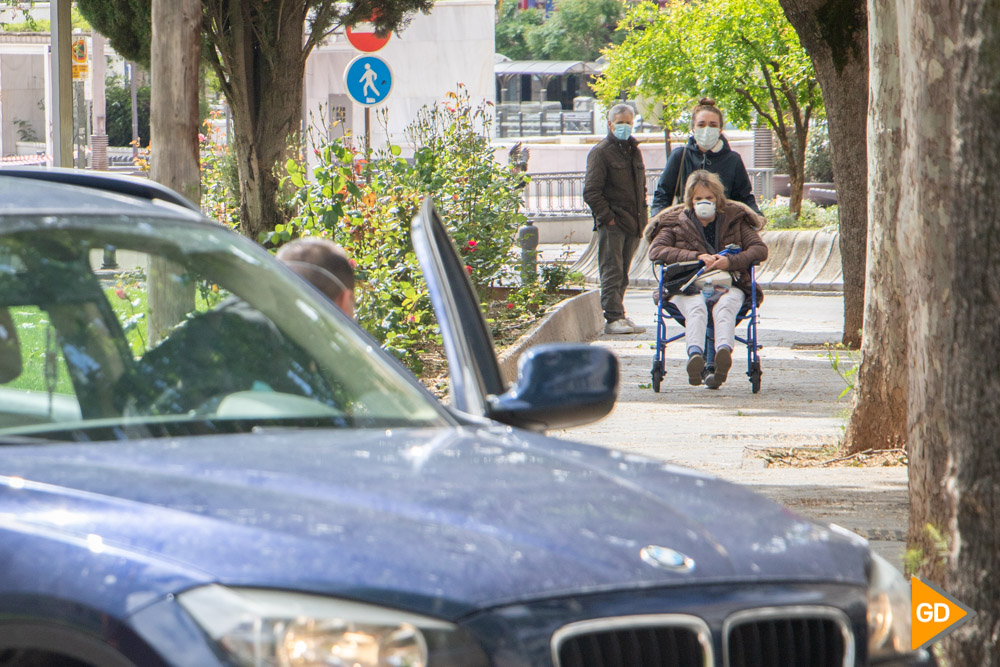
{"x":527,"y":238}
{"x":110,"y":258}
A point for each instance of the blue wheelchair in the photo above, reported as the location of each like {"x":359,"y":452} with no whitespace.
{"x":665,"y":309}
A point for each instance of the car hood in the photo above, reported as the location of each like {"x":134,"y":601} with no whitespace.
{"x":440,"y":521}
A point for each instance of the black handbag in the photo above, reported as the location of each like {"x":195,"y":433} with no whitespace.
{"x":676,"y":276}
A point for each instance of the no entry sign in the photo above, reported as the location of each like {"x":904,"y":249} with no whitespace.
{"x":363,"y":38}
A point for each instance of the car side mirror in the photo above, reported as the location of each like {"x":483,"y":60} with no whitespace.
{"x":559,"y":385}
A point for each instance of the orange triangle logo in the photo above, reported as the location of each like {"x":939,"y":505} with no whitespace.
{"x":934,"y":613}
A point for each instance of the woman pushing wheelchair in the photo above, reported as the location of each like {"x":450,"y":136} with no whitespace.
{"x":700,"y":229}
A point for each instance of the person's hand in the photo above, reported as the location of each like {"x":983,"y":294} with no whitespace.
{"x":707,"y":260}
{"x":722,"y":262}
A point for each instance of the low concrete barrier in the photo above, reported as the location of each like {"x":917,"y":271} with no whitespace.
{"x":807,"y":260}
{"x":576,"y":319}
{"x":802,"y":260}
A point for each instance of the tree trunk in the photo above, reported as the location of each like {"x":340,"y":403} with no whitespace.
{"x":176,"y":51}
{"x":836,"y":38}
{"x":794,"y":148}
{"x":949,"y":241}
{"x":262,"y":77}
{"x":878,"y":419}
{"x":955,"y":311}
{"x":796,"y":183}
{"x":926,"y":242}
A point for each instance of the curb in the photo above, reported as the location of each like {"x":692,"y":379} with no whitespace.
{"x":576,"y":319}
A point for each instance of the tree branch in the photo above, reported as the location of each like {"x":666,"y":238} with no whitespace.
{"x":212,"y":26}
{"x":759,"y":109}
{"x":774,"y":101}
{"x":321,"y":26}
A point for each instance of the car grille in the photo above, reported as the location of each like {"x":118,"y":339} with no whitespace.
{"x":771,"y":637}
{"x":672,"y":639}
{"x":810,"y":637}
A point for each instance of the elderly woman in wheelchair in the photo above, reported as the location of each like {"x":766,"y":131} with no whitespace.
{"x":718,"y":238}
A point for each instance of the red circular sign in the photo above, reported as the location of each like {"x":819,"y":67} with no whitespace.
{"x":363,"y":38}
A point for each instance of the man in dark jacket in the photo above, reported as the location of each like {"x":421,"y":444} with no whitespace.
{"x":615,"y":190}
{"x":719,"y":159}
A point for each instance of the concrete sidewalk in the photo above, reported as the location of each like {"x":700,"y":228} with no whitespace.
{"x":717,"y":431}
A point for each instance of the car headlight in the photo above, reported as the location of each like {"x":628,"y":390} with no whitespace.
{"x":264,"y":628}
{"x":888,"y":611}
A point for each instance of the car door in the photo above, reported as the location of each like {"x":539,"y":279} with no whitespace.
{"x":558,"y":384}
{"x":474,"y":372}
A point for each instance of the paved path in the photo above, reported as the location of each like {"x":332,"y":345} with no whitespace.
{"x":717,"y":431}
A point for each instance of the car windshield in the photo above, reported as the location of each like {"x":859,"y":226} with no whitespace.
{"x":195,"y":331}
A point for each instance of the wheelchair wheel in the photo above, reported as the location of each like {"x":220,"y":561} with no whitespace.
{"x":657,"y":374}
{"x":755,"y":374}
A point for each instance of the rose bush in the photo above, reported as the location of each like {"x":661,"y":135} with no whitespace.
{"x":365,"y":202}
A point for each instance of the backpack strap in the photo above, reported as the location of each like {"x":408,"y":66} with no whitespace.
{"x":678,"y":189}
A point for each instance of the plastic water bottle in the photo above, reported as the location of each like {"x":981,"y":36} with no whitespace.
{"x":707,"y":289}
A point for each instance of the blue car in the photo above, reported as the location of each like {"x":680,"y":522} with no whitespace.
{"x":203,"y":462}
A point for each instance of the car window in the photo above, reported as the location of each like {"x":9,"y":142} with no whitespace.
{"x":35,"y":386}
{"x":195,"y":331}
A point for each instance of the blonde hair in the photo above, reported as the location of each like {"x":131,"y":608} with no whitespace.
{"x":707,"y":104}
{"x":710,"y":181}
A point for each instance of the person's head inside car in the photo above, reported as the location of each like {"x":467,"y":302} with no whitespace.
{"x":324,"y":264}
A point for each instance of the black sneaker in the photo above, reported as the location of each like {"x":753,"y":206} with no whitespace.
{"x":696,"y":364}
{"x":723,"y":362}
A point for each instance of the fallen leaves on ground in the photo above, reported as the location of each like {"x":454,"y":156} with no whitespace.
{"x":830,"y":456}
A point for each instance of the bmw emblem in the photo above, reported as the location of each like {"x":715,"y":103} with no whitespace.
{"x":666,"y":558}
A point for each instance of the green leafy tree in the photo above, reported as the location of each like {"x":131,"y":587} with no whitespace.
{"x":31,"y":24}
{"x":576,"y":30}
{"x":118,"y":100}
{"x":258,"y":50}
{"x":511,"y":29}
{"x":743,"y":53}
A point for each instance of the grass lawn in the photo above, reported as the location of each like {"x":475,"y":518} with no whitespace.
{"x":36,"y":335}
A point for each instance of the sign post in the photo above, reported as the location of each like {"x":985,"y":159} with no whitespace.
{"x":368,"y":78}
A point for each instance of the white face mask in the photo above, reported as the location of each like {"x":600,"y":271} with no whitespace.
{"x":705,"y":210}
{"x":706,"y":137}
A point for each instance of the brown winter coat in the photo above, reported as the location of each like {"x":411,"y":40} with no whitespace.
{"x":615,"y":185}
{"x":675,"y":236}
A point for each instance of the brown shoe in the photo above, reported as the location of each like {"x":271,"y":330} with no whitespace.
{"x":696,"y":364}
{"x":723,"y":362}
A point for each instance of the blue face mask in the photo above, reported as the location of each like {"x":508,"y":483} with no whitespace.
{"x":623,"y":131}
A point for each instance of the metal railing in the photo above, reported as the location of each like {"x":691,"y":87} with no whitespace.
{"x":560,"y":194}
{"x":544,"y":123}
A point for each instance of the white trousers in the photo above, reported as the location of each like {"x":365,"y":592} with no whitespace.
{"x":696,"y":318}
